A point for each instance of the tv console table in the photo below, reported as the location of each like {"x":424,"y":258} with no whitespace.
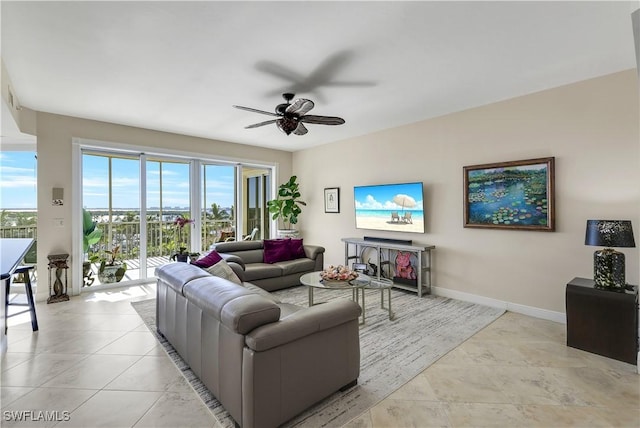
{"x":354,"y":249}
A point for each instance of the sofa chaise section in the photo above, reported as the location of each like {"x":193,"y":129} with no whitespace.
{"x":264,"y":360}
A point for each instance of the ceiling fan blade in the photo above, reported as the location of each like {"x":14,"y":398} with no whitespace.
{"x":257,"y":111}
{"x":255,"y":125}
{"x":301,"y":129}
{"x":322,"y":120}
{"x":300,"y":106}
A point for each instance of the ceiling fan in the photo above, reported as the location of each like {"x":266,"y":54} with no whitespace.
{"x":291,"y":116}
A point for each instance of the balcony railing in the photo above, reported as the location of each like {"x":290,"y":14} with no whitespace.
{"x":162,"y":237}
{"x":19,"y":231}
{"x":162,"y":240}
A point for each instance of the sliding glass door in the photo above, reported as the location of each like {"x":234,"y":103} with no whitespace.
{"x":143,"y":210}
{"x":111,"y":197}
{"x":168,"y":211}
{"x":218,"y":207}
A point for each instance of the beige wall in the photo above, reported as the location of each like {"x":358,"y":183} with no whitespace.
{"x":55,"y":134}
{"x":590,"y":127}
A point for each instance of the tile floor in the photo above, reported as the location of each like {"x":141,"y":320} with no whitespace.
{"x":517,"y":372}
{"x":94,"y":358}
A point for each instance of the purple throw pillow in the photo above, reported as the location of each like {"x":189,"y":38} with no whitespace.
{"x":276,"y":250}
{"x":209,"y":260}
{"x":296,"y":248}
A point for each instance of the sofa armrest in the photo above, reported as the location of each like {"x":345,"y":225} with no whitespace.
{"x":303,"y":323}
{"x":237,"y":269}
{"x":312,"y":251}
{"x":233,"y":258}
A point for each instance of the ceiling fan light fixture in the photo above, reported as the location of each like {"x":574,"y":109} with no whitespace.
{"x":287,"y":125}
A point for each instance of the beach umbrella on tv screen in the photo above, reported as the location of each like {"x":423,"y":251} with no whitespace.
{"x":405,"y":201}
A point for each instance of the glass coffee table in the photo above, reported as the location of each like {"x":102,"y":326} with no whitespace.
{"x":357,"y":286}
{"x":382,"y":285}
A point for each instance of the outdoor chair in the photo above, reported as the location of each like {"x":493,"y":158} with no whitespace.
{"x":226,"y":236}
{"x":407,"y":217}
{"x":252,"y":235}
{"x":395,"y":217}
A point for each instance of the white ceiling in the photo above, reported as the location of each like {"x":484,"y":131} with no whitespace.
{"x":180,"y":66}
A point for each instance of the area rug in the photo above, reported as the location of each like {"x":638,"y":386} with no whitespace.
{"x":391,"y":352}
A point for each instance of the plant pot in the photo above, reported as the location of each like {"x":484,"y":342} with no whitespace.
{"x":288,"y":233}
{"x":110,"y":274}
{"x":180,"y":257}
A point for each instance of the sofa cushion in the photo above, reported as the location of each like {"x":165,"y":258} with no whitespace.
{"x":223,"y":270}
{"x":249,"y":312}
{"x":296,"y":266}
{"x":296,"y":248}
{"x":209,"y":260}
{"x":276,"y":250}
{"x":236,"y":307}
{"x":255,"y":271}
{"x":177,"y":275}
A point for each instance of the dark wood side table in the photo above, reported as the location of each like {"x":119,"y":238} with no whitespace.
{"x":601,"y":321}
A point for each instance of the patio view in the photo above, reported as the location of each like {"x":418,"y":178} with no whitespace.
{"x":121,"y":241}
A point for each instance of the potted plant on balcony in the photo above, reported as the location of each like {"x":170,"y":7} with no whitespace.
{"x":91,"y":236}
{"x":287,"y":206}
{"x":111,"y":269}
{"x":182,"y":255}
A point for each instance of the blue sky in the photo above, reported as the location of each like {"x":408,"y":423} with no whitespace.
{"x":126,"y":187}
{"x":381,"y":197}
{"x":18,"y":183}
{"x":18,"y":180}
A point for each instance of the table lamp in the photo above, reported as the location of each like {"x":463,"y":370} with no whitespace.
{"x":608,"y":264}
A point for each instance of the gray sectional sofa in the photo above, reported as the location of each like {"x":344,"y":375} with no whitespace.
{"x":264,"y":360}
{"x":270,"y":276}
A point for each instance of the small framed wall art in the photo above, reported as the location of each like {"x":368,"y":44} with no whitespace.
{"x":332,"y":200}
{"x":510,"y":195}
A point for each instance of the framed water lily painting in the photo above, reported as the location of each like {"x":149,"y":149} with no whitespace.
{"x":510,"y":195}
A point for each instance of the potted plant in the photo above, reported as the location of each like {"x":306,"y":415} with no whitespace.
{"x":91,"y":236}
{"x":182,"y":255}
{"x":111,"y":269}
{"x":287,"y":206}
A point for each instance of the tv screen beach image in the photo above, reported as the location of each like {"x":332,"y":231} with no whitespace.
{"x":390,"y":207}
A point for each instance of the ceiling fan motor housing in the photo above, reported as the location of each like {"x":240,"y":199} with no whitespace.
{"x":281,"y":108}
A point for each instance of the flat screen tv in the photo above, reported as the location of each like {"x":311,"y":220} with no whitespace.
{"x":390,"y":207}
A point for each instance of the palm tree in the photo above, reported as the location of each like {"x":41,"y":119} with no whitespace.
{"x":217,"y":213}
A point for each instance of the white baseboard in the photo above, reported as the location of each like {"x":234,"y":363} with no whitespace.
{"x":494,"y":303}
